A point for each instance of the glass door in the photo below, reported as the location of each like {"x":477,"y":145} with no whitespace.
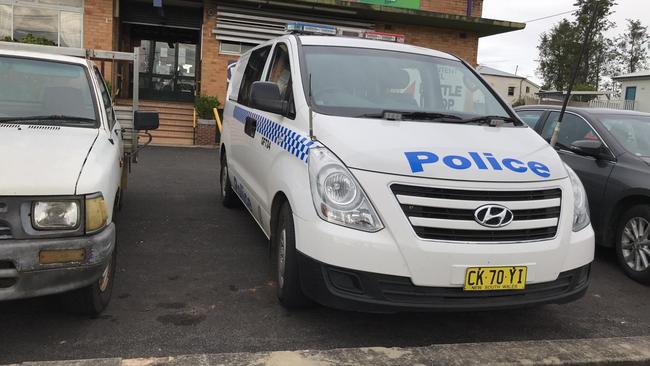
{"x":167,"y":70}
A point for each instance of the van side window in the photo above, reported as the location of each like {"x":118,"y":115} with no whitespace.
{"x":573,"y":128}
{"x":253,"y":73}
{"x":280,"y":73}
{"x":106,"y":98}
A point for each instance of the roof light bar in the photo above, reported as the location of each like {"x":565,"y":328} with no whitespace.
{"x":388,"y":37}
{"x":310,"y":28}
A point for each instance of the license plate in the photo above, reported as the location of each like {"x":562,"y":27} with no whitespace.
{"x":495,"y":278}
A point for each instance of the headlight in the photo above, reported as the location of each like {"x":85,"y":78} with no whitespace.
{"x":96,"y":214}
{"x":580,"y":204}
{"x":338,"y":197}
{"x":55,"y":215}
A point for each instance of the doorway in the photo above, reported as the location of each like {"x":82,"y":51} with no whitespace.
{"x":167,"y":70}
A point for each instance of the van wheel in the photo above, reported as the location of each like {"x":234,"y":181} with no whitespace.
{"x":93,"y":299}
{"x":633,"y":243}
{"x":228,"y":197}
{"x":284,"y":241}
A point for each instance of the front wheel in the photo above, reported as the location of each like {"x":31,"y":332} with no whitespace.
{"x":633,"y":243}
{"x":93,"y":299}
{"x":284,"y":241}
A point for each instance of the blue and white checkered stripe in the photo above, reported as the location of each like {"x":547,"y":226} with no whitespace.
{"x":291,"y":141}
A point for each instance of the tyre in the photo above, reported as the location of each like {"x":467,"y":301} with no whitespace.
{"x":284,"y":241}
{"x":228,"y":197}
{"x":633,"y":243}
{"x":93,"y":299}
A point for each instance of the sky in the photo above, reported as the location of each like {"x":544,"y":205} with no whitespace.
{"x":507,"y":51}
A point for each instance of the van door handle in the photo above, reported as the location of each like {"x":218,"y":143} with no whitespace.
{"x":250,"y":126}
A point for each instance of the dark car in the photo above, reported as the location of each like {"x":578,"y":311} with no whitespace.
{"x":610,"y":151}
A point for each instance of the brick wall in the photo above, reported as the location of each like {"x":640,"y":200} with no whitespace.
{"x":100,"y":28}
{"x":213,"y":65}
{"x":457,"y":7}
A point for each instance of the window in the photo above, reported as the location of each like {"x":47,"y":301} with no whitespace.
{"x":530,"y":117}
{"x":630,"y":93}
{"x":511,"y":91}
{"x":528,"y":90}
{"x":280,"y":70}
{"x":234,"y":48}
{"x":631,"y":131}
{"x":253,"y":73}
{"x":106,"y":98}
{"x":50,"y":22}
{"x":573,"y":128}
{"x":352,"y":82}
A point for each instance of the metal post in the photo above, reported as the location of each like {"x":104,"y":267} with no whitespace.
{"x":576,"y":67}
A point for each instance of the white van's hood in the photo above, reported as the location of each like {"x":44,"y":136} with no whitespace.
{"x":42,"y":160}
{"x":440,"y":150}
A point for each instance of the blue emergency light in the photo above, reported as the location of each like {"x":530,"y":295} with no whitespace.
{"x":310,"y":28}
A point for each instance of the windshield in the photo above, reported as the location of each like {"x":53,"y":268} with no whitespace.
{"x":54,"y":92}
{"x":633,"y":132}
{"x":354,"y":82}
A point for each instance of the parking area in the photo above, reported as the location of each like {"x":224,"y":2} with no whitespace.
{"x":194,"y":277}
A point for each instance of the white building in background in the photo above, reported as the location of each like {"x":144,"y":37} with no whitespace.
{"x":635,"y":89}
{"x":509,"y":86}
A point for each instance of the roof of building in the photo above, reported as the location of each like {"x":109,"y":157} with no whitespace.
{"x":635,"y":75}
{"x":486,"y":70}
{"x":483,"y":26}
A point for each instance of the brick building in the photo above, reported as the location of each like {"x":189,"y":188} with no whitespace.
{"x":186,"y":45}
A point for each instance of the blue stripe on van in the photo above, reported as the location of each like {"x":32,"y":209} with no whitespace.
{"x":289,"y":140}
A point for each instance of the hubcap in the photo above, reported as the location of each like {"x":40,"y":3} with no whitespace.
{"x":224,"y":179}
{"x":105,"y":278}
{"x":282,"y":256}
{"x":635,"y":244}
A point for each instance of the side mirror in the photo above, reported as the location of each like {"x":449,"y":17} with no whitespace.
{"x":592,"y":148}
{"x":146,"y":120}
{"x":265,"y":96}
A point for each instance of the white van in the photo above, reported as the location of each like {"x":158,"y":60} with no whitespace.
{"x":62,"y":176}
{"x":390,"y":177}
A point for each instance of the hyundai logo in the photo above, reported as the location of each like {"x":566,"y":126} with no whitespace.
{"x":493,"y":216}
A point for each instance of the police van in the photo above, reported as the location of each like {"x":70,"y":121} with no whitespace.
{"x":390,"y":177}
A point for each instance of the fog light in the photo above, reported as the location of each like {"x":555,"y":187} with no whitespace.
{"x":61,"y":256}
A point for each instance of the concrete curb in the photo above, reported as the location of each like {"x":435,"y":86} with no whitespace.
{"x":600,"y":351}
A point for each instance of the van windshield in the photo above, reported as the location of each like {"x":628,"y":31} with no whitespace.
{"x":356,"y":82}
{"x":45,"y":92}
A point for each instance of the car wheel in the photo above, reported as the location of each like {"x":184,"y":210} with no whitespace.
{"x":228,"y":197}
{"x":633,"y":243}
{"x":93,"y":299}
{"x":284,"y":241}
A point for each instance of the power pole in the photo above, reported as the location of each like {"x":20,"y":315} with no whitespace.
{"x":585,"y":45}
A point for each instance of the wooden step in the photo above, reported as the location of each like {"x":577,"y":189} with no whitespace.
{"x":171,"y":141}
{"x":176,"y":122}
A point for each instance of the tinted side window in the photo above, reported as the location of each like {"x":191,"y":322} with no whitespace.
{"x":253,"y":73}
{"x":530,"y":117}
{"x":106,"y":98}
{"x":573,"y":129}
{"x":280,"y":72}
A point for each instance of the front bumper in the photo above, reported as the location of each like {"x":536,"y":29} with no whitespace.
{"x":370,"y":292}
{"x":23,"y":276}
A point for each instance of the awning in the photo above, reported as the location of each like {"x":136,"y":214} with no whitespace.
{"x":379,"y":13}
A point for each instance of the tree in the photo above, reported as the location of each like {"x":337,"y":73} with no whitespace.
{"x":559,"y":48}
{"x":632,"y":47}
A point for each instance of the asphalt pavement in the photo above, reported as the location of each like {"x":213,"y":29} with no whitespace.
{"x":196,"y":278}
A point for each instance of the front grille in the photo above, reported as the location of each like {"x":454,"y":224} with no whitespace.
{"x":449,"y":214}
{"x":5,"y":231}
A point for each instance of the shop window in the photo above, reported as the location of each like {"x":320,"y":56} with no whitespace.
{"x":511,"y":91}
{"x":49,"y":22}
{"x":234,"y":48}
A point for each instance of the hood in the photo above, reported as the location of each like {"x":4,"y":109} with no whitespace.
{"x":440,"y":150}
{"x":42,"y":160}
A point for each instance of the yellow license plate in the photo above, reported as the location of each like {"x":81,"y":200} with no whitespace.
{"x":495,"y":278}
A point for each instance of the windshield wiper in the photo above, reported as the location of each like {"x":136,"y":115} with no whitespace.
{"x":58,"y":117}
{"x":412,"y":116}
{"x":494,"y":121}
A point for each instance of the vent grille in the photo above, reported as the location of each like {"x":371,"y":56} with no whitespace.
{"x":12,"y":125}
{"x":5,"y":231}
{"x":48,"y":128}
{"x":449,"y":214}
